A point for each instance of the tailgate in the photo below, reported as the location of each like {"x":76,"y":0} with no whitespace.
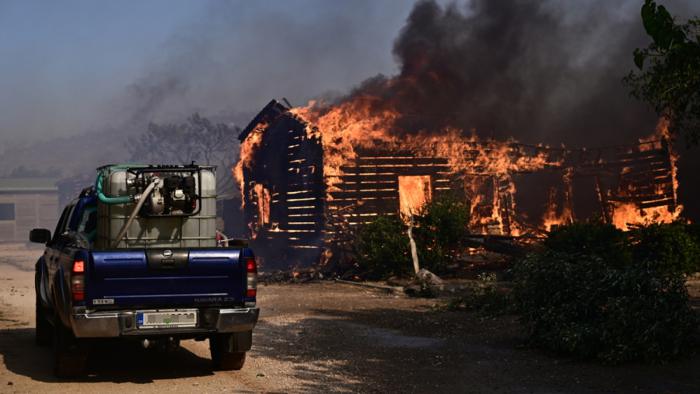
{"x":165,"y":277}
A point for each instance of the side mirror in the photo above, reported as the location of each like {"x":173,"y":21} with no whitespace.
{"x":40,"y":235}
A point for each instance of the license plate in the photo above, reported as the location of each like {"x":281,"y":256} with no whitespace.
{"x":166,"y":319}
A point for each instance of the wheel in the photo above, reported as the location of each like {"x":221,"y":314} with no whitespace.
{"x":42,"y":332}
{"x":69,"y":354}
{"x":221,"y":357}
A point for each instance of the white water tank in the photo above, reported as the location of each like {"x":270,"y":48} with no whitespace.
{"x":198,"y":230}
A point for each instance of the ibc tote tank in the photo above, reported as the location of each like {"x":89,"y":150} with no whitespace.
{"x":198,"y":230}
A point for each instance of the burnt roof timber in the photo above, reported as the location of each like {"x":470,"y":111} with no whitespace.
{"x":271,"y":111}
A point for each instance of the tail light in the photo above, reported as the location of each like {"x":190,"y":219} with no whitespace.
{"x":77,"y":280}
{"x":251,"y":277}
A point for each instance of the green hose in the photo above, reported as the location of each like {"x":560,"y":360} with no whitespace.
{"x":109,"y":199}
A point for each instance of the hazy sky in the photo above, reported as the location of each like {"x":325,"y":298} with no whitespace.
{"x":60,"y":61}
{"x":71,"y":66}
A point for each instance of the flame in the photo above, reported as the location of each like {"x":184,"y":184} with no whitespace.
{"x":485,"y":166}
{"x":248,"y":148}
{"x":263,"y":202}
{"x":552,"y":218}
{"x":628,"y":215}
{"x":414,"y":193}
{"x":556,"y":215}
{"x":359,"y":123}
{"x":342,"y":128}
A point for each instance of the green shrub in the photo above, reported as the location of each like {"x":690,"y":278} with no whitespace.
{"x":597,"y":239}
{"x":591,"y":293}
{"x":440,"y":229}
{"x":382,"y":248}
{"x":670,"y":245}
{"x":485,"y":296}
{"x":694,"y":231}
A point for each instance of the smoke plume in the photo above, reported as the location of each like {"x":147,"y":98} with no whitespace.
{"x":537,"y":71}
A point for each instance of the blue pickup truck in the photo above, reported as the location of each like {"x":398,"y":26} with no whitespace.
{"x":136,"y":257}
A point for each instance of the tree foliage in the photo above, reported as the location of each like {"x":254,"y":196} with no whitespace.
{"x":668,"y":75}
{"x":441,"y":227}
{"x":591,"y":239}
{"x":672,"y":246}
{"x":382,"y":248}
{"x":594,"y":292}
{"x":197,"y":139}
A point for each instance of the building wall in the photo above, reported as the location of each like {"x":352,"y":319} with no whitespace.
{"x":284,"y":195}
{"x":22,"y":212}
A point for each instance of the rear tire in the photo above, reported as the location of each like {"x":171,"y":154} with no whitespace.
{"x":42,"y":332}
{"x":69,"y":354}
{"x":223,"y":359}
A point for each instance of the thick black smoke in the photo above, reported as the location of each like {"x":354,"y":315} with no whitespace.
{"x":537,"y":71}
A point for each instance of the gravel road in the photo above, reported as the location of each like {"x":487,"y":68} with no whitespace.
{"x":324,"y":337}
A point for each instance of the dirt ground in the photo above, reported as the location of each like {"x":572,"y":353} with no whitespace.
{"x":325,"y":337}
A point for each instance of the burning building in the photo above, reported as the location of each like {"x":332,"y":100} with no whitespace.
{"x":474,"y":80}
{"x":309,"y":174}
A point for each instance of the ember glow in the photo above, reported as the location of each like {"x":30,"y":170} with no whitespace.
{"x":263,"y":203}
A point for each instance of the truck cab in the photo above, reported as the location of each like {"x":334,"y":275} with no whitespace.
{"x":135,"y":257}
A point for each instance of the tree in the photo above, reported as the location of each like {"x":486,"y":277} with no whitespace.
{"x":382,"y":248}
{"x":197,"y":139}
{"x":440,"y":232}
{"x":593,"y":291}
{"x":668,"y":75}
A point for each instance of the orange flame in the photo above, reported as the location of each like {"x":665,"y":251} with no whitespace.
{"x":556,"y":215}
{"x":263,"y":201}
{"x":414,"y":193}
{"x":356,"y":124}
{"x":248,"y":148}
{"x":627,"y":215}
{"x":365,"y":122}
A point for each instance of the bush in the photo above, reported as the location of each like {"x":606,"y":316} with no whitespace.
{"x":592,"y":239}
{"x":591,"y":293}
{"x":440,"y":229}
{"x":694,"y":231}
{"x":673,"y":246}
{"x":382,"y":248}
{"x":485,"y":297}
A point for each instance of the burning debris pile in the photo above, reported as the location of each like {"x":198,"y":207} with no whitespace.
{"x":310,"y":175}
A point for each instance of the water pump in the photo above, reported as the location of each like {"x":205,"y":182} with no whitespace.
{"x":172,"y":195}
